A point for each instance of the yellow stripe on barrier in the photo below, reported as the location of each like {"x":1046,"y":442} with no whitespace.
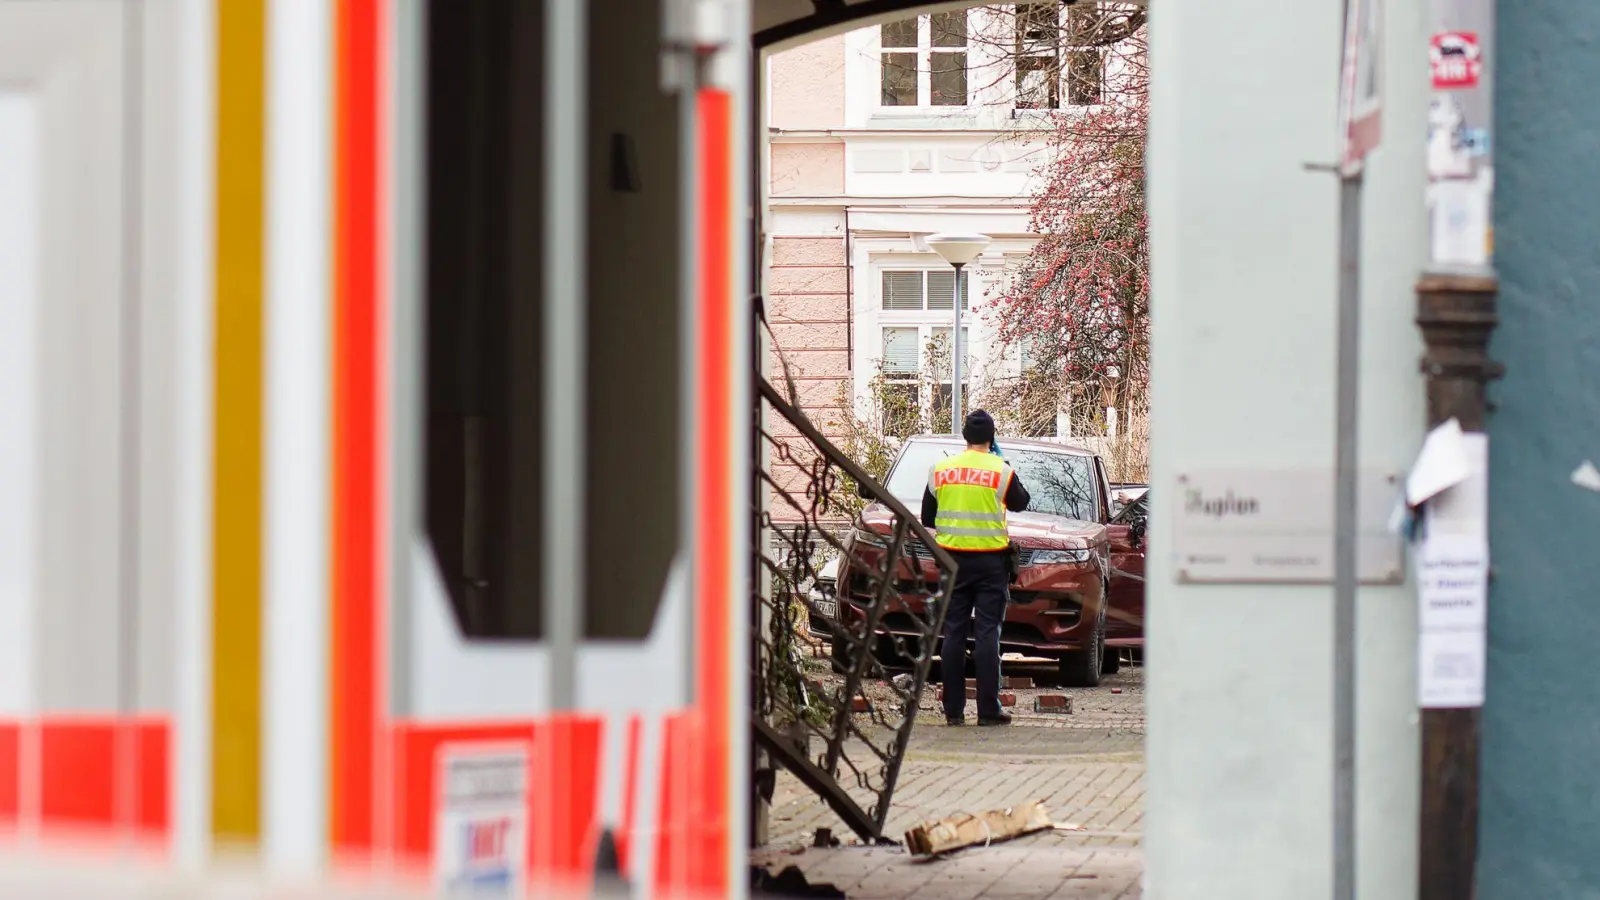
{"x":236,"y":499}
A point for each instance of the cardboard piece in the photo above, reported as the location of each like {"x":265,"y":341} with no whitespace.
{"x":965,"y":830}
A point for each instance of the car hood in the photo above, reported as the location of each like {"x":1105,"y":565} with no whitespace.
{"x":1026,"y":528}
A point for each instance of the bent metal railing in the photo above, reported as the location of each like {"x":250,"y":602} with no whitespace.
{"x":836,"y":692}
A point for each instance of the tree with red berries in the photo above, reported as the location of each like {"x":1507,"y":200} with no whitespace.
{"x":1079,"y":304}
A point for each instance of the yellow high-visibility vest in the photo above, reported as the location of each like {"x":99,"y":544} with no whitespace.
{"x":971,"y":490}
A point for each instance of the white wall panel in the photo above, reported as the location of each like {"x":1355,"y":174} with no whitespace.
{"x":19,"y":301}
{"x":67,"y":59}
{"x":1245,"y":243}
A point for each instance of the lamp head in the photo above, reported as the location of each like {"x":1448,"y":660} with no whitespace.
{"x":958,"y":249}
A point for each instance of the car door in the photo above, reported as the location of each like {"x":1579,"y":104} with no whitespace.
{"x":1129,"y":543}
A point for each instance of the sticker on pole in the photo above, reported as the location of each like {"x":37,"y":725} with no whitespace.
{"x":1457,"y":60}
{"x":481,"y":826}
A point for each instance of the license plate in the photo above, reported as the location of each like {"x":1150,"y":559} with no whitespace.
{"x":827,"y":607}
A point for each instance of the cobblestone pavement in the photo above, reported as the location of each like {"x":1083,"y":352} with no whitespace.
{"x":1087,"y":768}
{"x":1008,"y":872}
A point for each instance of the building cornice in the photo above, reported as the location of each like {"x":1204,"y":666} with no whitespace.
{"x":892,"y":202}
{"x":816,"y":135}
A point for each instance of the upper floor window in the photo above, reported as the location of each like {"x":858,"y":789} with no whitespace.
{"x":919,"y":289}
{"x":924,"y":60}
{"x":1055,"y":52}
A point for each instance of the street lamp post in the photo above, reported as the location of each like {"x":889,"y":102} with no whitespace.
{"x":957,"y":250}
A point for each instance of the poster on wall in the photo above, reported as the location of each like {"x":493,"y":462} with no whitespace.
{"x":481,"y":821}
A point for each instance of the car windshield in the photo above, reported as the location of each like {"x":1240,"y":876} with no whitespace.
{"x":1061,"y":484}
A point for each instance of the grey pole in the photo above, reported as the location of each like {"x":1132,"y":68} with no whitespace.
{"x":955,"y":357}
{"x":1344,"y":545}
{"x":566,"y":43}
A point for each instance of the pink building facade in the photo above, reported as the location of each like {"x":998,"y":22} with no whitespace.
{"x":877,"y":138}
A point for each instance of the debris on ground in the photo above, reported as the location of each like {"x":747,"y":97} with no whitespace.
{"x":966,"y":830}
{"x":1060,"y":704}
{"x":791,"y":882}
{"x":825,"y":838}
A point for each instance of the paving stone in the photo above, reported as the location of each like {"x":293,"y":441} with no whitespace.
{"x":1091,"y":775}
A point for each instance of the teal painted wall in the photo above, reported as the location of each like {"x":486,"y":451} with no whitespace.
{"x":1541,"y":765}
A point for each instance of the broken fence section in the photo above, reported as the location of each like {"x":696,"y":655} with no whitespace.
{"x":826,"y":703}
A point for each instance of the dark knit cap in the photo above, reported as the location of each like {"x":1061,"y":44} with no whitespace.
{"x":979,"y":428}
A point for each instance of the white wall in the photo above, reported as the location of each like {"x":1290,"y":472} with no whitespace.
{"x":1245,"y":241}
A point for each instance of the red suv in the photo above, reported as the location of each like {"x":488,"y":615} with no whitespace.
{"x":1057,"y":608}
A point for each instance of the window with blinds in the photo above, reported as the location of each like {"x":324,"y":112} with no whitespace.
{"x":911,"y":290}
{"x":941,"y":339}
{"x":902,"y":351}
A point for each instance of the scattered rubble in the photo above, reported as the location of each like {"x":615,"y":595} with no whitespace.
{"x":1058,"y":704}
{"x":791,"y":882}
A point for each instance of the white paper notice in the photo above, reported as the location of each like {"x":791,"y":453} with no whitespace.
{"x":1453,"y":583}
{"x":1451,"y":669}
{"x":1460,"y":223}
{"x":1463,"y":508}
{"x":1442,"y":464}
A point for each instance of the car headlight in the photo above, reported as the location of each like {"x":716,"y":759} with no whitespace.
{"x":872,"y":539}
{"x":1056,"y":557}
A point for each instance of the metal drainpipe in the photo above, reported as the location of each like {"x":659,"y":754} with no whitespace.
{"x":1456,"y":313}
{"x":849,"y":298}
{"x":1457,"y":316}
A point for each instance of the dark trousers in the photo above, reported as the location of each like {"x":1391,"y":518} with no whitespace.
{"x":977,"y":607}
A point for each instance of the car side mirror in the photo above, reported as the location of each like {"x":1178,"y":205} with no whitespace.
{"x":1136,"y":532}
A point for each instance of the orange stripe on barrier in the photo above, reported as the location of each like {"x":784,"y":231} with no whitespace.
{"x":355,"y":561}
{"x":77,"y":777}
{"x":563,"y":857}
{"x":10,"y":774}
{"x":673,"y":818}
{"x":153,"y":786}
{"x":81,"y":775}
{"x":715,"y":540}
{"x":630,"y":796}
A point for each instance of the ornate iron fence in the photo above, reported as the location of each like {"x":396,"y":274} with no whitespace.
{"x":839,"y":673}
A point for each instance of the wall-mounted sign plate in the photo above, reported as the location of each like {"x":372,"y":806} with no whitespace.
{"x":1257,"y":526}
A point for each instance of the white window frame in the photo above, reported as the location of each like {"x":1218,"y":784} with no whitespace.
{"x":924,"y":52}
{"x":927,"y":322}
{"x":1062,"y":54}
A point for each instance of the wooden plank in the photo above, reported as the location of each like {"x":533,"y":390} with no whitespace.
{"x":966,"y":830}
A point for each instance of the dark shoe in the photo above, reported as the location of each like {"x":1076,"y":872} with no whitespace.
{"x":1002,"y":719}
{"x":955,"y":721}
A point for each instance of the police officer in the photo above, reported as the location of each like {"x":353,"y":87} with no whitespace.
{"x":965,"y":503}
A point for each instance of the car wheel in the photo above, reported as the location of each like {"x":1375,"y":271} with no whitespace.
{"x":1081,"y":668}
